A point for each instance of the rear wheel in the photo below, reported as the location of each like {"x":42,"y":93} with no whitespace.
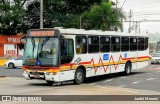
{"x":10,"y":65}
{"x":127,"y":69}
{"x":79,"y":76}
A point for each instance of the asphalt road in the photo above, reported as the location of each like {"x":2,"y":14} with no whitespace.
{"x":147,"y":78}
{"x":143,"y":79}
{"x":140,"y":82}
{"x":16,"y":72}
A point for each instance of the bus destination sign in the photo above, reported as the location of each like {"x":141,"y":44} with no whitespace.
{"x":42,"y":33}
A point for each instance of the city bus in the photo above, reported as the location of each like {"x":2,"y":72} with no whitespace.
{"x":57,"y":55}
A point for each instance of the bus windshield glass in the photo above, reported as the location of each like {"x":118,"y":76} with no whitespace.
{"x":41,"y":51}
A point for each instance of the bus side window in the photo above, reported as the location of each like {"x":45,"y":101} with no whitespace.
{"x":124,"y":44}
{"x":81,"y":44}
{"x":133,"y":44}
{"x":104,"y":44}
{"x":115,"y":44}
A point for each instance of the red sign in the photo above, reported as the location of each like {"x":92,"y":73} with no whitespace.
{"x":10,"y":52}
{"x":12,"y":39}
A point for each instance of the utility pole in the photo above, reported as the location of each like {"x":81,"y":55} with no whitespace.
{"x":130,"y":16}
{"x":41,"y":14}
{"x":139,"y":28}
{"x":136,"y":26}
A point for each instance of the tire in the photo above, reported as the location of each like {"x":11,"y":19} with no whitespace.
{"x":79,"y":76}
{"x":127,"y":69}
{"x":10,"y":65}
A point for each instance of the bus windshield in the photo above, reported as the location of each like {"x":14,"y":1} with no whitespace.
{"x":41,"y":51}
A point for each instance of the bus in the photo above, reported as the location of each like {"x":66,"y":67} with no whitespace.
{"x":57,"y":55}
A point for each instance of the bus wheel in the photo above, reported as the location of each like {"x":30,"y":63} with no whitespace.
{"x":127,"y":70}
{"x":79,"y":76}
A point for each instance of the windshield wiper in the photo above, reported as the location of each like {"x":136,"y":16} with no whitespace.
{"x":45,"y":41}
{"x":33,"y":43}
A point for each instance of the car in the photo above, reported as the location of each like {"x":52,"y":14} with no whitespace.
{"x":155,"y":58}
{"x":13,"y":63}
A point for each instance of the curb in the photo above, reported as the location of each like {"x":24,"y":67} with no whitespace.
{"x":2,"y":76}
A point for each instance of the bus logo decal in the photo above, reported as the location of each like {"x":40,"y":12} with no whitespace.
{"x":77,"y":61}
{"x":38,"y":62}
{"x":125,"y":55}
{"x":105,"y":57}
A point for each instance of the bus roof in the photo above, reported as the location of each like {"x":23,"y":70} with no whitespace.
{"x":73,"y":31}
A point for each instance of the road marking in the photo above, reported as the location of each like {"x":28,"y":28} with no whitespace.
{"x":122,"y":86}
{"x":122,"y":77}
{"x":130,"y":91}
{"x":150,"y":79}
{"x":105,"y":87}
{"x":109,"y":80}
{"x":156,"y":68}
{"x":136,"y":82}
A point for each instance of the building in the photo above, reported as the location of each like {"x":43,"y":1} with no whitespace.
{"x":9,"y":46}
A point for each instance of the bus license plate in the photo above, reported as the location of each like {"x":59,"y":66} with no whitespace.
{"x":36,"y":76}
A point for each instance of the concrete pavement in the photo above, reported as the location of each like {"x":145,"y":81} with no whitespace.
{"x":20,"y":86}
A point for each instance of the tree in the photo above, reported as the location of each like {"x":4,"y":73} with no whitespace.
{"x":96,"y":14}
{"x":63,"y":12}
{"x":12,"y":16}
{"x":103,"y":16}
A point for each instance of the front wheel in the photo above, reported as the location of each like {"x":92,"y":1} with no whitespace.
{"x":10,"y":65}
{"x":79,"y":76}
{"x":127,"y":69}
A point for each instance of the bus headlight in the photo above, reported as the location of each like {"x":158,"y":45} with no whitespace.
{"x":54,"y":73}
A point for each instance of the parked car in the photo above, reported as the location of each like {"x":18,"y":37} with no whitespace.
{"x":155,"y":58}
{"x":13,"y":63}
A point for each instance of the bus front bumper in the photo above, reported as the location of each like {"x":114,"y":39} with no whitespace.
{"x":42,"y":76}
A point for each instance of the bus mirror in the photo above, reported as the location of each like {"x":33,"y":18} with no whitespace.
{"x":23,"y":40}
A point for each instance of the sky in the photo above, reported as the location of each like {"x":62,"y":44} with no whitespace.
{"x":146,"y":11}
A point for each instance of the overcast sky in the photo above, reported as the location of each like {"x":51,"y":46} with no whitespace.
{"x":142,"y":10}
